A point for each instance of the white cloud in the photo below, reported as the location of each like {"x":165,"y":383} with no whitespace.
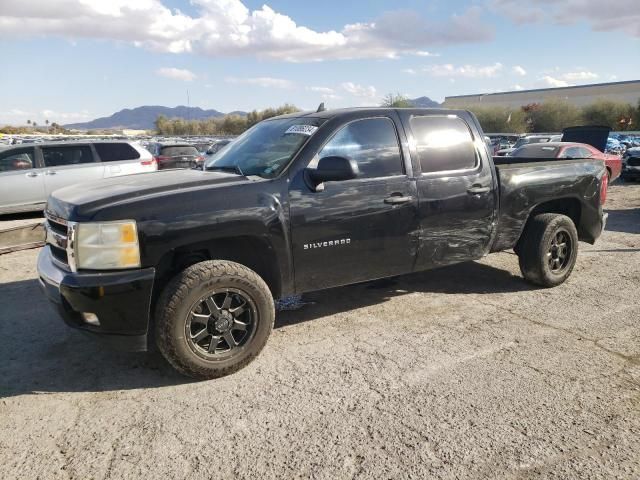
{"x":265,"y":82}
{"x":177,"y":74}
{"x":359,"y":90}
{"x":517,"y":87}
{"x":19,"y":116}
{"x":518,"y":70}
{"x":550,"y":81}
{"x":410,"y":71}
{"x":325,"y":90}
{"x":621,"y":15}
{"x":424,"y":53}
{"x":578,"y":76}
{"x":326,"y":93}
{"x":469,"y":71}
{"x":229,"y":28}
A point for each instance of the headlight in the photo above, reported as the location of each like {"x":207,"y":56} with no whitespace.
{"x":107,"y":246}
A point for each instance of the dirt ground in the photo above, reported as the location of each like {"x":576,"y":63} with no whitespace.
{"x":464,"y":372}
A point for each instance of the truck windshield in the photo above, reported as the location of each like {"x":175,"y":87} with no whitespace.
{"x":266,"y":148}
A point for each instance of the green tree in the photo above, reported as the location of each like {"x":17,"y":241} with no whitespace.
{"x":616,"y":115}
{"x":553,"y":116}
{"x":397,"y":100}
{"x":500,"y":119}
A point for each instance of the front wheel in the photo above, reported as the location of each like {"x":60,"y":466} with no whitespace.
{"x":213,"y":318}
{"x":548,"y":250}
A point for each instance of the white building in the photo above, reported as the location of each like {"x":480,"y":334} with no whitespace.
{"x":627,"y":92}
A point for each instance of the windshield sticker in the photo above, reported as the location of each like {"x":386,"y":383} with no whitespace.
{"x":302,"y":129}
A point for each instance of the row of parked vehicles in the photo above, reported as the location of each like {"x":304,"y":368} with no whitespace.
{"x":30,"y":171}
{"x":561,"y":146}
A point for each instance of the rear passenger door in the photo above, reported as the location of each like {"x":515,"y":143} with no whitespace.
{"x":69,"y":165}
{"x":21,"y":182}
{"x":456,"y":189}
{"x":120,"y":159}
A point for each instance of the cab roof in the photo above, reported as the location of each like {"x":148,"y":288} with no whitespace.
{"x":328,"y":114}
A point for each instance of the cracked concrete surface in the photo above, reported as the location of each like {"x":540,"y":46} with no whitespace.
{"x":463,"y":372}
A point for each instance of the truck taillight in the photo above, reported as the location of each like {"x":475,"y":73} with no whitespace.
{"x":604,"y":185}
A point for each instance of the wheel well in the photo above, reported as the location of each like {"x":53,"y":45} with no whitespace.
{"x":564,"y":206}
{"x":254,"y":253}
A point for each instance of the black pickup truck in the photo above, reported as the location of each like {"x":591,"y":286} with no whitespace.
{"x":195,"y":258}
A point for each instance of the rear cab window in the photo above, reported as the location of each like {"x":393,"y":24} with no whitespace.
{"x":444,"y":143}
{"x":114,"y":152}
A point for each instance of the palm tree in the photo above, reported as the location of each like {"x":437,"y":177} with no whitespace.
{"x":28,"y":122}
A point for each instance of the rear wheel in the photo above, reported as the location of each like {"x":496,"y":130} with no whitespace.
{"x":213,"y":318}
{"x":548,"y":249}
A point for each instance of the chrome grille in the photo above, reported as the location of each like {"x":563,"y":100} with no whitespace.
{"x":59,"y":235}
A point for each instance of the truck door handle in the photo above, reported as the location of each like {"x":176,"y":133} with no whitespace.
{"x":397,"y":199}
{"x":478,"y":189}
{"x":32,"y":174}
{"x":51,"y":172}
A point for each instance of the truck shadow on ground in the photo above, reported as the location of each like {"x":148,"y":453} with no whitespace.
{"x":624,"y":221}
{"x":39,"y":354}
{"x":463,"y":278}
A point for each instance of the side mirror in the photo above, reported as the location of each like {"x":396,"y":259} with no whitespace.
{"x":333,"y":169}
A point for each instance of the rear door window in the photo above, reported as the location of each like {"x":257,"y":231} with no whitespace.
{"x":177,"y":151}
{"x":17,"y":159}
{"x":63,"y":156}
{"x":444,"y":143}
{"x":114,"y":152}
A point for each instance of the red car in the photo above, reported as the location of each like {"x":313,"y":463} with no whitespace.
{"x":571,"y":150}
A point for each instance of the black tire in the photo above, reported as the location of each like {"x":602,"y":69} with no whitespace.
{"x":191,"y":289}
{"x":538,"y":262}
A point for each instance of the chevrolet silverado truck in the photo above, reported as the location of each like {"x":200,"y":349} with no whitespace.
{"x":192,"y":260}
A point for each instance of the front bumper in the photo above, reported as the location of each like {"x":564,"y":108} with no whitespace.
{"x":120,"y":300}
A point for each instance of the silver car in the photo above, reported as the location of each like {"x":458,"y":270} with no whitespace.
{"x":29,"y":173}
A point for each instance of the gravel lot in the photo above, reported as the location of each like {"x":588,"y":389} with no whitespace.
{"x":463,"y":372}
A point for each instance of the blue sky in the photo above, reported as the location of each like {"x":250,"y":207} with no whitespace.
{"x":75,"y":60}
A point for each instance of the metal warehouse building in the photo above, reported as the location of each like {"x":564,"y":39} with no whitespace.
{"x":628,"y":92}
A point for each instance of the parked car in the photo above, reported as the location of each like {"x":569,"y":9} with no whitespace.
{"x":523,"y":141}
{"x":217,"y":146}
{"x":631,"y":164}
{"x":301,"y":202}
{"x":176,"y":155}
{"x":568,"y":150}
{"x":29,"y":173}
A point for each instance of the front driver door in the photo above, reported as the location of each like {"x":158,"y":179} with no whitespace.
{"x":360,"y":229}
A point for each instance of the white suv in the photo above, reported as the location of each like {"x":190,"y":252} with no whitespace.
{"x":29,"y":173}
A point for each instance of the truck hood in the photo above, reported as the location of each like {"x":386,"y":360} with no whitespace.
{"x":593,"y":135}
{"x":83,"y":198}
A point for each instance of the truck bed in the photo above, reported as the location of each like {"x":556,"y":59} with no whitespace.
{"x":525,"y":184}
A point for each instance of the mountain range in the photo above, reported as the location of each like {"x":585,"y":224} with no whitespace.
{"x":143,"y":118}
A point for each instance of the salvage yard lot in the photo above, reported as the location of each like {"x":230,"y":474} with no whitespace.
{"x":462,"y":372}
